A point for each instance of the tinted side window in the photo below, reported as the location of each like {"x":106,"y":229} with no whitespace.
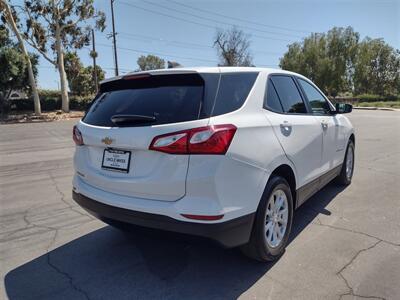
{"x":233,"y":91}
{"x":211,"y":81}
{"x":317,"y":102}
{"x":288,"y":94}
{"x":271,"y":99}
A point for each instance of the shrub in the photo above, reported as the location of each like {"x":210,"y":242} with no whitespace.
{"x":51,"y":100}
{"x":392,"y":104}
{"x":80,"y":102}
{"x":376,"y":98}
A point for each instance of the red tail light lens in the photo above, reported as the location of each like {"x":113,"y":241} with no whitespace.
{"x":136,"y":76}
{"x":175,"y":143}
{"x":203,"y":140}
{"x":77,"y":136}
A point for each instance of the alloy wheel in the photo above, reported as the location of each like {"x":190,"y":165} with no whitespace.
{"x":276,"y":218}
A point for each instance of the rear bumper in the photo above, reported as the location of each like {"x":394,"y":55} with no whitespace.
{"x":229,"y":234}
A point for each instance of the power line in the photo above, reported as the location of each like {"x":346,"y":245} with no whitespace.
{"x":179,"y":43}
{"x":194,"y":22}
{"x":237,"y":19}
{"x":218,"y":21}
{"x":169,"y":55}
{"x":105,"y":68}
{"x":159,"y":53}
{"x":140,"y":51}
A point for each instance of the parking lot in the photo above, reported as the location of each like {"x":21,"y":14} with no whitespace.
{"x":345,"y":242}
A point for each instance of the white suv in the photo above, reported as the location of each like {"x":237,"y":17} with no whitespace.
{"x":226,"y":153}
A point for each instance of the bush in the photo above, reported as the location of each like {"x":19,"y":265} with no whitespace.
{"x":49,"y":93}
{"x":80,"y":102}
{"x":392,"y":104}
{"x":50,"y":101}
{"x":376,"y":98}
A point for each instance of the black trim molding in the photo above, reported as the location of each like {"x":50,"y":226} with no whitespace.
{"x":309,"y":189}
{"x":229,"y":234}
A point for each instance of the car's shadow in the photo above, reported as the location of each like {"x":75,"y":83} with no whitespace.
{"x":107,"y":264}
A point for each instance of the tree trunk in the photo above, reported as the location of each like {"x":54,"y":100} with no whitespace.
{"x":63,"y":81}
{"x":36,"y":100}
{"x":32,"y":81}
{"x":61,"y":71}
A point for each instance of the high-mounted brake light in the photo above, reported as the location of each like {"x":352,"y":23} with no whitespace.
{"x":77,"y":136}
{"x":136,"y":76}
{"x":203,"y":140}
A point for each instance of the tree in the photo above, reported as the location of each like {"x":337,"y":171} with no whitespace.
{"x":377,"y":68}
{"x":54,"y":27}
{"x":14,"y":74}
{"x":327,"y":59}
{"x":150,"y":62}
{"x":80,"y":78}
{"x":342,"y":45}
{"x":338,"y":62}
{"x":84,"y":84}
{"x":233,"y":47}
{"x":73,"y":68}
{"x":9,"y":17}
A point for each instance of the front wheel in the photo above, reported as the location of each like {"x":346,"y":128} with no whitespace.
{"x":273,"y":222}
{"x":346,"y":173}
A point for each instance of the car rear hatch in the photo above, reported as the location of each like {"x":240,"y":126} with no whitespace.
{"x":123,"y":120}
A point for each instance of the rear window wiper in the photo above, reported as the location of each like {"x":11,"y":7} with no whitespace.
{"x":124,"y":119}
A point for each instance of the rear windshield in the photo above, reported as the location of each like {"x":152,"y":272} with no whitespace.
{"x":169,"y":98}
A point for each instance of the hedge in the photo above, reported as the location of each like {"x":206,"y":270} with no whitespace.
{"x":365,"y":98}
{"x":50,"y":101}
{"x":376,"y":98}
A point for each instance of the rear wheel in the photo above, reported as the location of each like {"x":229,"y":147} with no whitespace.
{"x":273,"y":222}
{"x":346,"y":173}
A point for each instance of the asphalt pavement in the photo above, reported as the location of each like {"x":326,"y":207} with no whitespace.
{"x":345,"y":241}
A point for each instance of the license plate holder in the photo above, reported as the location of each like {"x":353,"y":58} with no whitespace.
{"x":116,"y":160}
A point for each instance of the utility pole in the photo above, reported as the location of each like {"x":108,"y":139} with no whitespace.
{"x":114,"y":39}
{"x":94,"y":55}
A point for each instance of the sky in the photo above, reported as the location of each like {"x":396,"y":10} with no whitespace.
{"x":183,"y":30}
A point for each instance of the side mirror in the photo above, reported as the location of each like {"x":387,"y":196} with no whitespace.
{"x":343,"y":108}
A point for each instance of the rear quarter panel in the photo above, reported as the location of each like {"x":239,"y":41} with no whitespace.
{"x":238,"y":179}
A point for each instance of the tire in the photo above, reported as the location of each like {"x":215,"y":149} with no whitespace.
{"x":260,"y":246}
{"x":344,"y":177}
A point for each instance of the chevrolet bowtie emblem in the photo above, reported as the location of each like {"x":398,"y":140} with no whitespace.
{"x":107,"y":140}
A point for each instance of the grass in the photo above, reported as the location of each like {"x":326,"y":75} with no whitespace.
{"x":390,"y":104}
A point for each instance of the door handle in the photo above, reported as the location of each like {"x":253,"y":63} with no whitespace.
{"x":286,"y":128}
{"x":324,"y":125}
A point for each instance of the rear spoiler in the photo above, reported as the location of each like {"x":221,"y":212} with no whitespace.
{"x":144,"y":73}
{"x":148,"y":79}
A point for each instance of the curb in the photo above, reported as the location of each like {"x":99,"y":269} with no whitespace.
{"x":376,"y":108}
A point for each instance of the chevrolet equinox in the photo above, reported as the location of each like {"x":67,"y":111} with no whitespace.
{"x":226,"y":153}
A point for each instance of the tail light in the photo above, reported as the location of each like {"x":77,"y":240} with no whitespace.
{"x":77,"y":136}
{"x":135,"y":76}
{"x":203,"y":140}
